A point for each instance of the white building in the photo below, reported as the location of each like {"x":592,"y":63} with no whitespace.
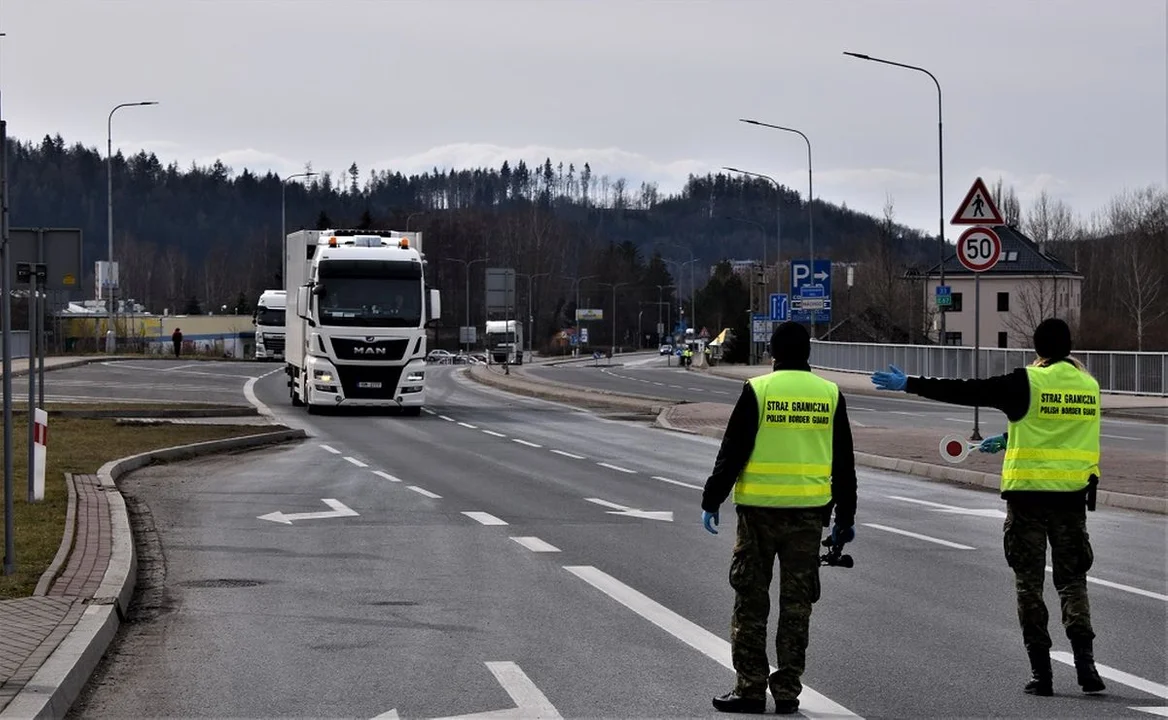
{"x":1025,"y":287}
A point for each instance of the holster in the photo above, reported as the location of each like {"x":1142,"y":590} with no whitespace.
{"x":1092,"y":486}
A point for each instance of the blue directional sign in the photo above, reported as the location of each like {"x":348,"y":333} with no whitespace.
{"x":816,"y":290}
{"x":779,"y":307}
{"x":944,"y":290}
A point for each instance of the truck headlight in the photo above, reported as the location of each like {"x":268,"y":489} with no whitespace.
{"x":322,"y":375}
{"x":416,"y":376}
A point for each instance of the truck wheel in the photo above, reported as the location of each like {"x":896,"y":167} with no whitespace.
{"x":296,"y":401}
{"x":413,"y":411}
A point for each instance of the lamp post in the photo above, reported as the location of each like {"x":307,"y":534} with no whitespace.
{"x":467,"y":264}
{"x":109,"y":178}
{"x":530,"y":291}
{"x":614,"y":286}
{"x":660,"y":288}
{"x":692,"y":259}
{"x":940,"y":172}
{"x":284,"y":223}
{"x":810,"y":200}
{"x":412,"y":216}
{"x":778,"y":224}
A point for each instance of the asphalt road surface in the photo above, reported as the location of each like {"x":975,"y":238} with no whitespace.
{"x":128,"y":381}
{"x":507,"y":553}
{"x":652,"y":377}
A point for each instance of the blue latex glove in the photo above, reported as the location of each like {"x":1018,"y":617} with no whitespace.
{"x":994,"y":444}
{"x":707,"y":518}
{"x":894,"y":380}
{"x":840,"y":536}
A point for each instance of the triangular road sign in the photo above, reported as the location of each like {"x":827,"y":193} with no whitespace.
{"x":978,"y":208}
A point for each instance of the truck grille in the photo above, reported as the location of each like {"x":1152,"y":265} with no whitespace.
{"x":389,"y":349}
{"x":361,"y":382}
{"x":274,"y":343}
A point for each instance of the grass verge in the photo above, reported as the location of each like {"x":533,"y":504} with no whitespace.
{"x":77,"y":445}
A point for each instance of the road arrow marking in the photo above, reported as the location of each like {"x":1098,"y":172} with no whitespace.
{"x":338,"y":510}
{"x":530,"y":702}
{"x":665,"y":515}
{"x":940,"y":507}
{"x":1119,"y":676}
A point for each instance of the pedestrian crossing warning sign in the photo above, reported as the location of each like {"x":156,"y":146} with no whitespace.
{"x":978,"y":207}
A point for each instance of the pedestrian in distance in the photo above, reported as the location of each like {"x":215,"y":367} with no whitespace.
{"x":176,"y":338}
{"x":787,"y":456}
{"x":1049,"y":477}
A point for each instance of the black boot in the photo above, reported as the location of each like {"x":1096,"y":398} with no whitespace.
{"x":1089,"y":678}
{"x":1041,"y":676}
{"x":786,"y":707}
{"x":732,"y":703}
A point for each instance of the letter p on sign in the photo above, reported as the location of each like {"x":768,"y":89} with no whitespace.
{"x":40,"y":436}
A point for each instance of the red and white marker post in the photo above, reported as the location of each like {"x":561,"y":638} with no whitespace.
{"x":40,"y":436}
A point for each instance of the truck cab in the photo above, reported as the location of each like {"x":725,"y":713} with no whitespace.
{"x":504,"y":340}
{"x":269,"y":324}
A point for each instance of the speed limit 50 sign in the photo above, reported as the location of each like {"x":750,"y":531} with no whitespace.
{"x":979,"y":249}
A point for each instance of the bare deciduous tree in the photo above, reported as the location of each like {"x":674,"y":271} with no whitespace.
{"x":1139,"y":223}
{"x":1050,"y":223}
{"x":1007,"y":201}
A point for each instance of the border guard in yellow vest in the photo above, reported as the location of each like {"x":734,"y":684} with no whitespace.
{"x":1049,"y":476}
{"x":787,"y":456}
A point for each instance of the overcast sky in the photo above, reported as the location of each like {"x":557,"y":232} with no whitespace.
{"x":1058,"y":94}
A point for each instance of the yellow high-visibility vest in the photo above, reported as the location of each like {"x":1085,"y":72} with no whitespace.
{"x":790,"y":466}
{"x":1055,"y":446}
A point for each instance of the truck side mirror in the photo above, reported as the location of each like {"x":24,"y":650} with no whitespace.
{"x":302,"y":302}
{"x":435,"y":304}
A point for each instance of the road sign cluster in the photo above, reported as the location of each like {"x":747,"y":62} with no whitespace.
{"x":811,"y":291}
{"x":979,"y":248}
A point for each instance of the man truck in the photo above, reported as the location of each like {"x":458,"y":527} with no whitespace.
{"x":504,"y":340}
{"x":269,"y":325}
{"x":358,"y":309}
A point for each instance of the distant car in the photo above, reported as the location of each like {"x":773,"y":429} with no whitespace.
{"x":665,"y":349}
{"x":439,"y":356}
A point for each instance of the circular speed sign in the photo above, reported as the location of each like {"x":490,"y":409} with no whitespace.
{"x":979,"y":249}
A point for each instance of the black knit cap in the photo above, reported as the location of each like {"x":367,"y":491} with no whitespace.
{"x":791,"y":344}
{"x":1052,"y":339}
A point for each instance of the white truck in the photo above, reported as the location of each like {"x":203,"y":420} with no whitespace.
{"x":504,"y":341}
{"x":269,"y":324}
{"x":358,"y":312}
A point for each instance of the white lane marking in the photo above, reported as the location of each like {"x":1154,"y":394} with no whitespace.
{"x":676,"y":387}
{"x":618,"y":468}
{"x":565,"y":453}
{"x":957,"y":420}
{"x":524,"y":442}
{"x":529,"y":701}
{"x":811,"y":703}
{"x":483,"y":518}
{"x":671,"y":481}
{"x":386,"y":476}
{"x":428,"y":411}
{"x":1120,"y":586}
{"x":659,"y":384}
{"x":1119,"y":676}
{"x":355,"y":461}
{"x":534,"y":544}
{"x":983,"y":512}
{"x":696,"y":389}
{"x":496,"y":434}
{"x":331,"y":449}
{"x":857,"y":423}
{"x":918,"y":536}
{"x":1118,"y":437}
{"x":447,"y":418}
{"x":423,"y":491}
{"x":606,"y":503}
{"x":468,"y":425}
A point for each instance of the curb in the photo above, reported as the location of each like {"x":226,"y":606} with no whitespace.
{"x":50,"y":573}
{"x":549,"y":391}
{"x":59,"y":681}
{"x":164,"y":412}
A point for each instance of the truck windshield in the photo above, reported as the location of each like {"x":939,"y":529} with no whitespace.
{"x":370,"y":293}
{"x":500,"y":338}
{"x":270,"y":317}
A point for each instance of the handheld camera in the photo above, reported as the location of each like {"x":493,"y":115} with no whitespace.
{"x":834,"y":556}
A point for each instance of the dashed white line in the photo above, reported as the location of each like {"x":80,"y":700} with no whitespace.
{"x":428,"y":411}
{"x":423,"y":491}
{"x":355,"y":461}
{"x":1132,"y":681}
{"x":696,"y":389}
{"x":671,"y":481}
{"x":676,"y":387}
{"x":1118,"y":437}
{"x":618,"y":468}
{"x":659,"y":384}
{"x":496,"y":434}
{"x":483,"y":518}
{"x":918,"y":536}
{"x":468,"y":425}
{"x":331,"y":449}
{"x":447,"y":418}
{"x":1119,"y":586}
{"x":524,"y":442}
{"x":565,"y":453}
{"x":534,"y":544}
{"x":386,"y":476}
{"x":957,"y":420}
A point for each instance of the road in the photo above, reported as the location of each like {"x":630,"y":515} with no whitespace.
{"x":127,"y":381}
{"x":651,"y":376}
{"x":491,"y":530}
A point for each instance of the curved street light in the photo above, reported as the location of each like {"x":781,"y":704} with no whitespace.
{"x":284,"y":223}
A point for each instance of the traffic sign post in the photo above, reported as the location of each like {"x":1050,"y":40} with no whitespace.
{"x":944,"y":296}
{"x":978,"y":249}
{"x":780,"y":307}
{"x":810,"y":298}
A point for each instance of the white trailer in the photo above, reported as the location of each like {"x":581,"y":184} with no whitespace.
{"x":358,"y":312}
{"x":269,"y":324}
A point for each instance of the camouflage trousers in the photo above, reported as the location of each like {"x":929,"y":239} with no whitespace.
{"x":764,"y":534}
{"x":1026,"y":533}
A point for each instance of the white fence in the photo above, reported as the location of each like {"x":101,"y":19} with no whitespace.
{"x":1133,"y":373}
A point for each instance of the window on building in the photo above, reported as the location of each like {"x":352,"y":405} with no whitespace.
{"x":1003,"y":336}
{"x":952,"y":338}
{"x":955,"y":304}
{"x":1003,"y":304}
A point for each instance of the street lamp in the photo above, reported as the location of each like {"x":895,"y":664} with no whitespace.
{"x":680,"y":267}
{"x":530,"y":318}
{"x":284,"y":223}
{"x":810,"y":199}
{"x":778,"y":224}
{"x":467,"y":264}
{"x":660,"y":288}
{"x":109,"y":176}
{"x":940,"y":172}
{"x":411,"y":216}
{"x":614,"y":286}
{"x":692,"y":259}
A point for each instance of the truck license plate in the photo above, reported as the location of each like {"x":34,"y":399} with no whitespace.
{"x":369,"y":385}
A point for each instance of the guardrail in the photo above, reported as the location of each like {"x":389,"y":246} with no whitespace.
{"x":1131,"y":373}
